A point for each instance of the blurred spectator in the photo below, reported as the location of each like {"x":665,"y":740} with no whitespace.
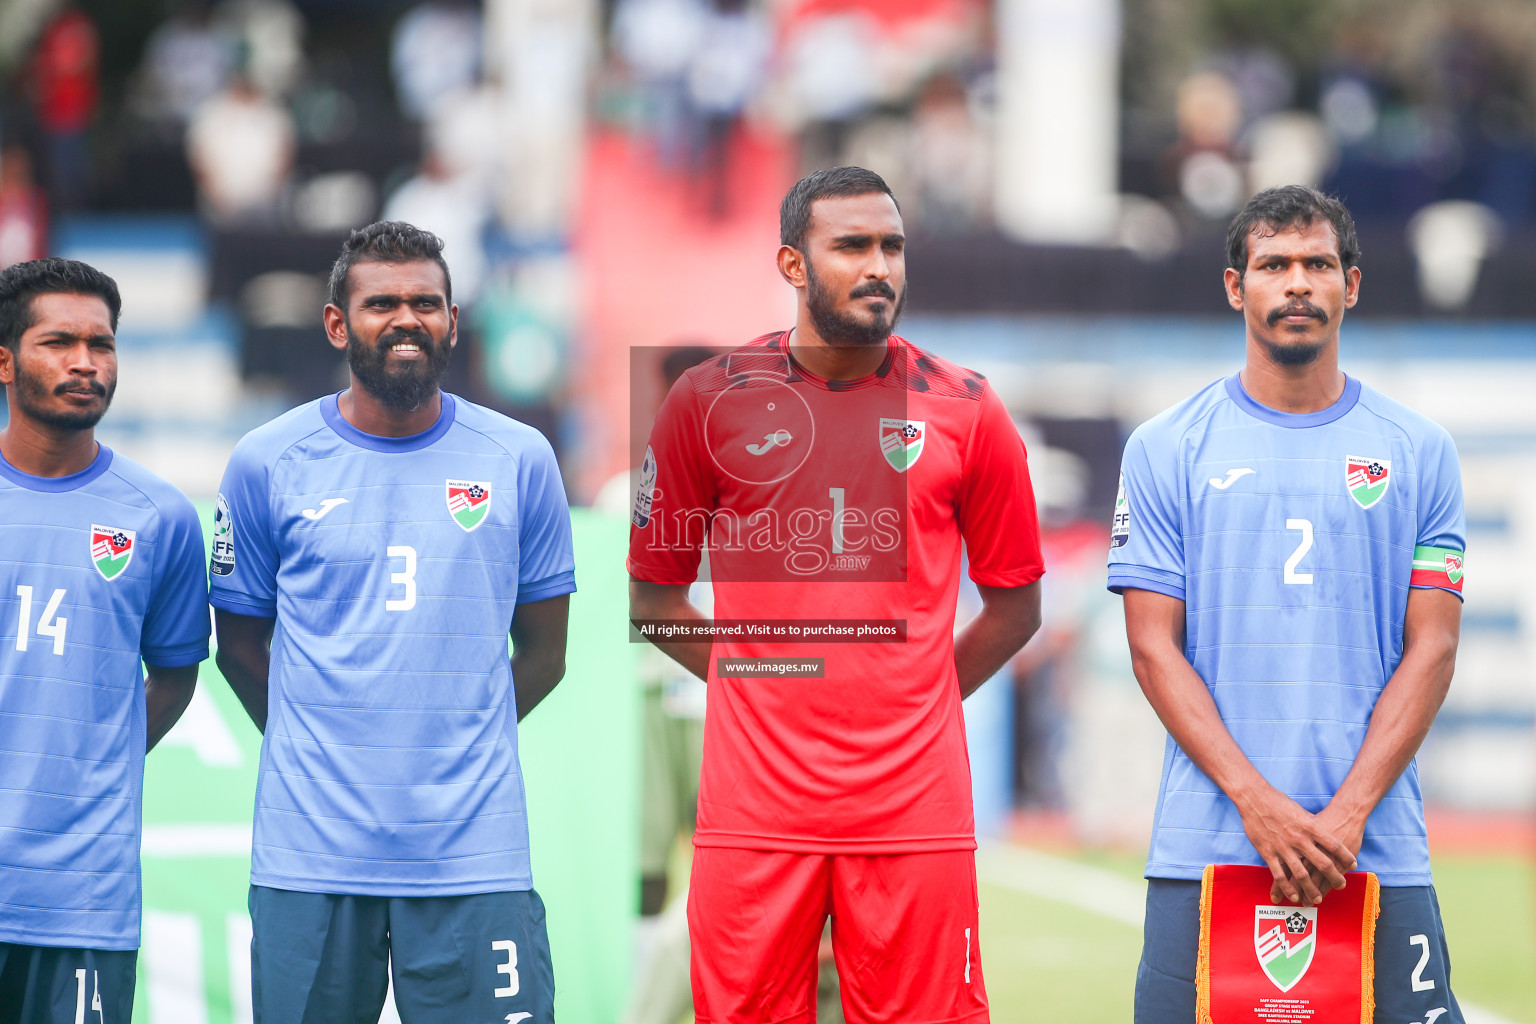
{"x":270,"y":37}
{"x":725,"y":75}
{"x":1288,"y":148}
{"x":1205,"y":161}
{"x":950,"y":158}
{"x":466,"y":132}
{"x":241,"y":146}
{"x":832,"y":82}
{"x":23,"y":209}
{"x":456,"y":208}
{"x":186,"y":62}
{"x":65,"y":91}
{"x":658,"y":41}
{"x":435,"y":52}
{"x":1450,"y":240}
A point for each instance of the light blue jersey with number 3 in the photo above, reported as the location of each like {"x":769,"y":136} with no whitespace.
{"x":393,"y":567}
{"x":1293,"y":540}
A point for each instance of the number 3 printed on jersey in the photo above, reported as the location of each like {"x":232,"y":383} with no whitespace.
{"x":404,"y":578}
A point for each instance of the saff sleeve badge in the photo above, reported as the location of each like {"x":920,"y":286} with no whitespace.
{"x":1266,"y":964}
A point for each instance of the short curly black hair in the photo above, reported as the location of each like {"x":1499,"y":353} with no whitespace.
{"x":20,"y":283}
{"x":1288,"y":206}
{"x":385,"y":241}
{"x":827,"y":183}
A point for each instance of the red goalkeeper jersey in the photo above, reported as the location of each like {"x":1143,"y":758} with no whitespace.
{"x":826,"y":506}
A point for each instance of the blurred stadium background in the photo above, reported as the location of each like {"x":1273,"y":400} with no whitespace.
{"x":606,"y":174}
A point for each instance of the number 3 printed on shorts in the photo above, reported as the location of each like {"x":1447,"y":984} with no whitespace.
{"x":507,"y":967}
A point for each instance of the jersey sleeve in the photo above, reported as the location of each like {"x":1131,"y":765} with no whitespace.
{"x":996,"y":502}
{"x":1440,"y":547}
{"x":677,"y":481}
{"x":176,"y":626}
{"x":1146,"y":547}
{"x":244,"y":564}
{"x":546,"y":557}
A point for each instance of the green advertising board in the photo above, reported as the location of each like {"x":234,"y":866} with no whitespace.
{"x":580,"y":761}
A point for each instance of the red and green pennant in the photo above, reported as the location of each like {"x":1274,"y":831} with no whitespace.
{"x":1260,"y":963}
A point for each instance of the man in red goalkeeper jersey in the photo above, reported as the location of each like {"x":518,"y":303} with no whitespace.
{"x":833,"y":471}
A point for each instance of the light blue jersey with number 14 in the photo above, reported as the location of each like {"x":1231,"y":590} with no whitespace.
{"x":1293,"y":540}
{"x":98,"y":570}
{"x":393,"y":567}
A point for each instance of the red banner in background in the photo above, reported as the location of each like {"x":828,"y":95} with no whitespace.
{"x":1260,"y":963}
{"x":891,"y":15}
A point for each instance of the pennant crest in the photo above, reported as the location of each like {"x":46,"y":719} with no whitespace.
{"x":1284,"y":940}
{"x":469,"y":501}
{"x":111,"y":550}
{"x":1366,"y":479}
{"x":901,"y":442}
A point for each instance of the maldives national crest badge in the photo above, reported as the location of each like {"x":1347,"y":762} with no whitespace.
{"x":1284,"y":940}
{"x":469,"y":501}
{"x":901,"y":442}
{"x":111,"y":550}
{"x":1366,"y":479}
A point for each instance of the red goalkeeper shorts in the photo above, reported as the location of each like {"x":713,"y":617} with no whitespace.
{"x":904,"y":936}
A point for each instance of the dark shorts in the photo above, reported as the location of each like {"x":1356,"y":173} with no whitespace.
{"x":61,"y":985}
{"x":318,"y":958}
{"x":1413,"y":969}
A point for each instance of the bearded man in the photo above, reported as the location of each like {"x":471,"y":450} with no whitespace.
{"x":833,"y":470}
{"x":372,"y":551}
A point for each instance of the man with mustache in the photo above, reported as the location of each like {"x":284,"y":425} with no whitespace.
{"x":834,"y":470}
{"x":1289,"y":545}
{"x":372,"y":551}
{"x":102,"y":568}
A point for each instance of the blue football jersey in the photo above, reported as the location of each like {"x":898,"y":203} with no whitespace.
{"x":1293,"y":540}
{"x":392,"y":566}
{"x":100,"y":569}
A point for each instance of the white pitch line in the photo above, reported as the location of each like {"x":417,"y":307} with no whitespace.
{"x":1063,"y":881}
{"x":1100,"y":892}
{"x":176,"y":842}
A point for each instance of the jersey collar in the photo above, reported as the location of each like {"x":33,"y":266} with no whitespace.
{"x":97,"y":467}
{"x":799,"y":372}
{"x":1246,"y":403}
{"x":373,"y":442}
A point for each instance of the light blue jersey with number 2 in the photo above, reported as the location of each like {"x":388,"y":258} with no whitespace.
{"x":392,"y":566}
{"x":1293,"y":540}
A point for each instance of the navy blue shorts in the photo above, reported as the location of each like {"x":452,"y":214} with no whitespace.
{"x":1413,"y":969}
{"x":60,"y":985}
{"x":319,"y":958}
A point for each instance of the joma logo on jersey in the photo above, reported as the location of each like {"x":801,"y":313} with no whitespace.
{"x":901,"y":442}
{"x":1366,"y":479}
{"x":111,"y":550}
{"x":469,"y":501}
{"x":1284,"y":939}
